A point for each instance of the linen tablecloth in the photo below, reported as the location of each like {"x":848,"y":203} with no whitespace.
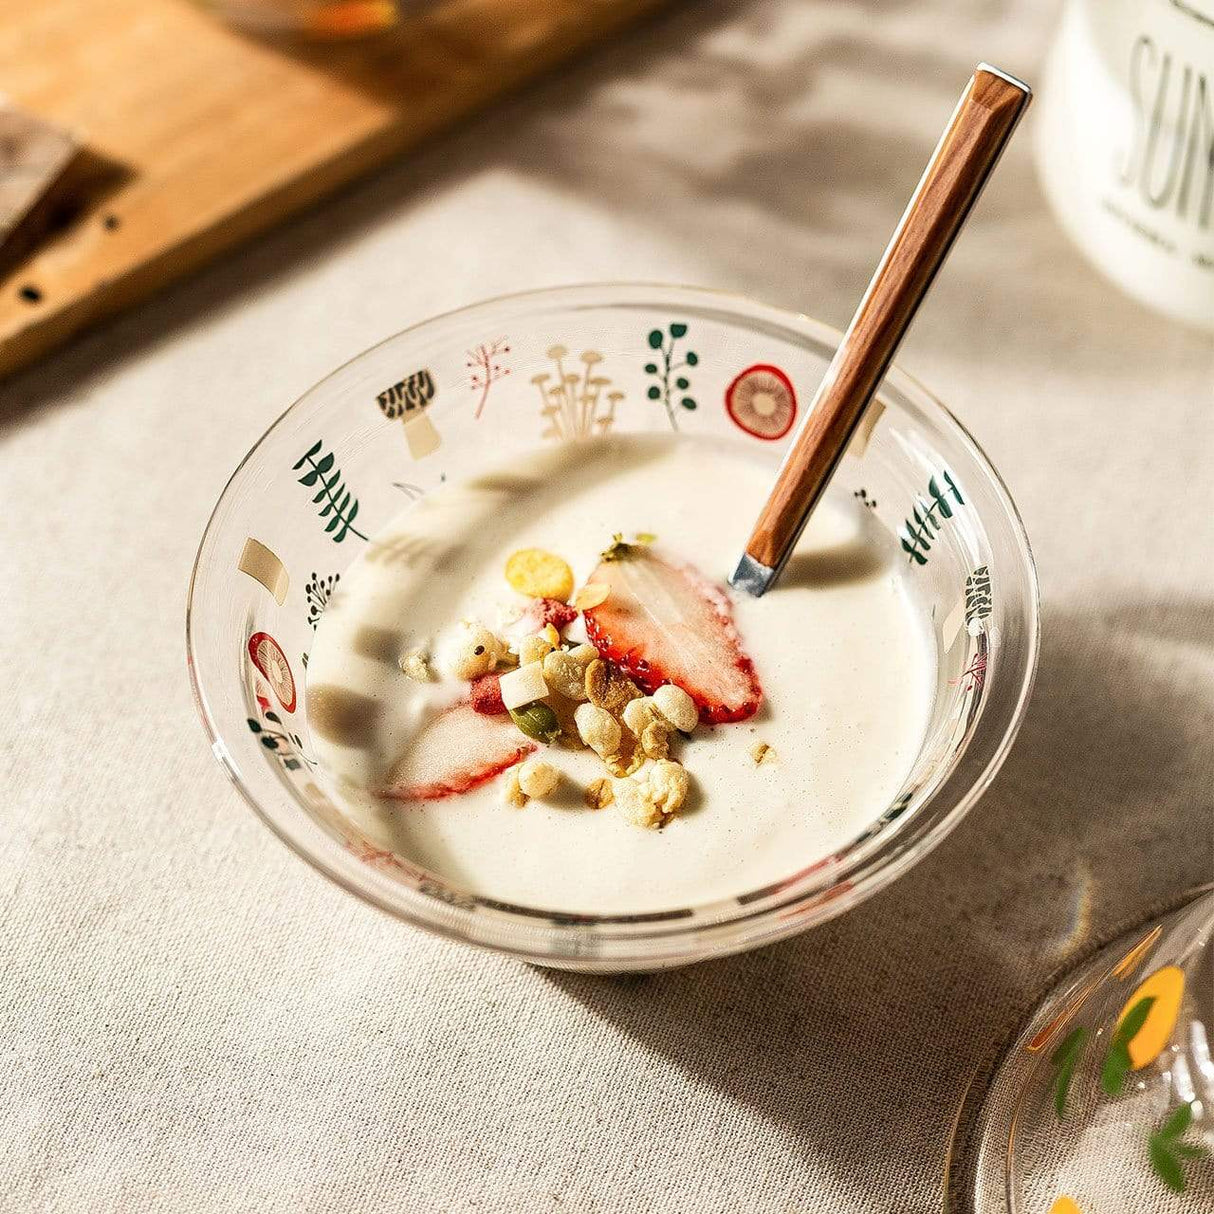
{"x":193,"y":1020}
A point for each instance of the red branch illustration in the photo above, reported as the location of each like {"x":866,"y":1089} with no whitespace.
{"x":485,"y":369}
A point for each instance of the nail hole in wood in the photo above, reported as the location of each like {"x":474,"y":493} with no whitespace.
{"x":30,"y":294}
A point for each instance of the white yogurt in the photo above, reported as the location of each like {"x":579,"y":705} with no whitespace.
{"x":846,"y":664}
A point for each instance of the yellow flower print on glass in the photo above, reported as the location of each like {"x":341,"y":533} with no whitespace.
{"x":1165,"y":987}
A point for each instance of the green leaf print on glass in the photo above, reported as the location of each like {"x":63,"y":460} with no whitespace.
{"x":1166,"y":1150}
{"x":287,"y":747}
{"x":664,"y":372}
{"x":1065,"y":1058}
{"x":340,"y":508}
{"x":927,"y":517}
{"x":1117,"y":1062}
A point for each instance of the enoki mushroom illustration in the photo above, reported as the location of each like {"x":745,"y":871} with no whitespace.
{"x":410,"y":399}
{"x":576,"y":404}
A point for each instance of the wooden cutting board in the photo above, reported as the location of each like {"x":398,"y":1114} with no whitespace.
{"x":201,"y":137}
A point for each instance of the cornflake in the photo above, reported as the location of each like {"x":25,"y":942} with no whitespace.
{"x":539,"y":574}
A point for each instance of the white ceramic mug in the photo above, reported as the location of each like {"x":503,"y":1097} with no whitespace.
{"x":1125,"y":146}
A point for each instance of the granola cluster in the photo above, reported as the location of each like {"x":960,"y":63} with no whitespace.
{"x":563,"y":692}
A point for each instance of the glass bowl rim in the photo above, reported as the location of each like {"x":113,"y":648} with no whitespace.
{"x":708,"y":929}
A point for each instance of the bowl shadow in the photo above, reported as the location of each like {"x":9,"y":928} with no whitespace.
{"x":860,"y":1038}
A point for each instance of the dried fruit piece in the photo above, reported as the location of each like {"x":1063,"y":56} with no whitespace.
{"x":539,"y":574}
{"x":566,"y":675}
{"x":537,"y":778}
{"x":540,"y":612}
{"x":523,"y":686}
{"x":677,"y":707}
{"x":537,"y":721}
{"x":598,"y":729}
{"x":591,"y":595}
{"x":668,"y":624}
{"x":458,"y":751}
{"x":487,"y":695}
{"x":608,"y":686}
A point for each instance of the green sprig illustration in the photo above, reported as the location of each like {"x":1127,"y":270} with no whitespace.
{"x":1117,"y":1062}
{"x":287,"y":747}
{"x":662,"y":389}
{"x":1066,"y":1058}
{"x":918,"y":532}
{"x":339,"y":507}
{"x":1168,"y":1151}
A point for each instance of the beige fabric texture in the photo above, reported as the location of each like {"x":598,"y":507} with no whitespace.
{"x":191,"y":1020}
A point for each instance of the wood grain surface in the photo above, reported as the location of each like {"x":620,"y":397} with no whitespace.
{"x":969,"y":149}
{"x":212,"y":136}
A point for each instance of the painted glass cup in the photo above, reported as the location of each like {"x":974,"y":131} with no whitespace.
{"x":426,"y":406}
{"x":1104,"y":1101}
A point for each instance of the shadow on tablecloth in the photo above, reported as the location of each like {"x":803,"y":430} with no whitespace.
{"x":835,"y":1037}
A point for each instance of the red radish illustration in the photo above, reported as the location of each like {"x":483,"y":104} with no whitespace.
{"x":268,"y":657}
{"x":762,"y":402}
{"x":665,"y":623}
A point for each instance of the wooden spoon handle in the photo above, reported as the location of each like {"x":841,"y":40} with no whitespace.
{"x":968,"y":150}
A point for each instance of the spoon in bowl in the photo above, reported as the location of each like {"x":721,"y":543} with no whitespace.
{"x":979,"y":130}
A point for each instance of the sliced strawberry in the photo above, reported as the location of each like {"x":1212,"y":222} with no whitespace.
{"x":666,"y":623}
{"x":458,"y":751}
{"x":487,"y":695}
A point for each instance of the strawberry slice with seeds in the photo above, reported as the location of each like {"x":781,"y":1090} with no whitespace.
{"x":460,"y":749}
{"x":667,"y":623}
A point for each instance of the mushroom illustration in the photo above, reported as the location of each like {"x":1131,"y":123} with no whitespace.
{"x":268,"y":657}
{"x":762,"y":402}
{"x":410,"y":399}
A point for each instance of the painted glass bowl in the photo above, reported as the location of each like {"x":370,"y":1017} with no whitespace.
{"x":1104,"y":1100}
{"x":424,"y":406}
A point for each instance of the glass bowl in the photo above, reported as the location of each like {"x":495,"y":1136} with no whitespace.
{"x":1105,"y":1100}
{"x":426,"y":406}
